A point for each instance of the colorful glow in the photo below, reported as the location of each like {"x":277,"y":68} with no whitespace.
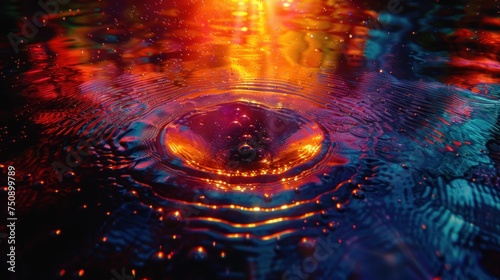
{"x":255,"y":139}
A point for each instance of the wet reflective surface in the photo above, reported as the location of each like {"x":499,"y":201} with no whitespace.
{"x":254,"y":139}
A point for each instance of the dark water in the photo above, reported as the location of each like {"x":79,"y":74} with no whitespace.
{"x":253,"y":139}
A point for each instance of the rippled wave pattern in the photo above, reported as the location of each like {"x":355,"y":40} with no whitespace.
{"x":256,"y":140}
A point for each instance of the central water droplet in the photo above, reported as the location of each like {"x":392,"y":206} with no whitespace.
{"x":238,"y":141}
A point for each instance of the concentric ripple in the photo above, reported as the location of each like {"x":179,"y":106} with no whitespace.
{"x":220,"y":169}
{"x":252,"y":139}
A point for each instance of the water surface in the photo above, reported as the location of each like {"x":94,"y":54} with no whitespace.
{"x":255,"y":140}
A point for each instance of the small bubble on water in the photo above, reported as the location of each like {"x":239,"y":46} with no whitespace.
{"x":158,"y":256}
{"x":244,"y":120}
{"x":198,"y":254}
{"x":27,"y":177}
{"x":340,"y":207}
{"x":69,"y":176}
{"x":131,"y":195}
{"x":245,"y":149}
{"x":40,"y":184}
{"x":307,"y":246}
{"x":172,"y":219}
{"x":235,"y":126}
